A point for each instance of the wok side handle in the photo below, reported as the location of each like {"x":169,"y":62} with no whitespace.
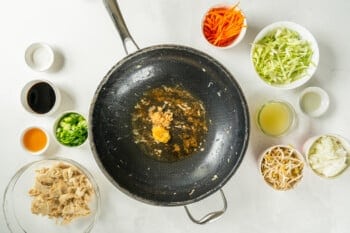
{"x":211,"y":217}
{"x":118,"y":20}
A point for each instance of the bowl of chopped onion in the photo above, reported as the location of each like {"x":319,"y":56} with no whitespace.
{"x":327,"y":155}
{"x":224,"y":26}
{"x":282,"y":167}
{"x":285,"y":55}
{"x":55,"y":195}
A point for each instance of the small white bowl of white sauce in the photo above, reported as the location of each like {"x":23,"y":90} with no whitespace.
{"x":313,"y":101}
{"x":39,"y":56}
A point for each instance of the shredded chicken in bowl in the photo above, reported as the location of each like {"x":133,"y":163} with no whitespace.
{"x":61,"y":192}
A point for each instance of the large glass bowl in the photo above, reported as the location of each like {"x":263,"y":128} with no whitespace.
{"x":17,"y":202}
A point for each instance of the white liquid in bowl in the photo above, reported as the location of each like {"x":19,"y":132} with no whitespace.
{"x":310,"y":102}
{"x":41,"y":58}
{"x":314,"y":101}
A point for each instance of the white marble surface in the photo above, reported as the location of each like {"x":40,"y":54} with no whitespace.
{"x":84,"y":34}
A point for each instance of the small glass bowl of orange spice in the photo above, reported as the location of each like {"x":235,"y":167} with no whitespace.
{"x":35,"y":140}
{"x":224,"y":26}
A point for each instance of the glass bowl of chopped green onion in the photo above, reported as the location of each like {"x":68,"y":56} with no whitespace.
{"x":71,"y":129}
{"x":285,"y":55}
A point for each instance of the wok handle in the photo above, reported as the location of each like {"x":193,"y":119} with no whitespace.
{"x":118,"y":20}
{"x":211,"y":217}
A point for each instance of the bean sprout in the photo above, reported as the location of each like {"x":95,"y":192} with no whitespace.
{"x":281,"y":167}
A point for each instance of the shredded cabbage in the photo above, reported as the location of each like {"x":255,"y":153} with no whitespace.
{"x":282,"y":57}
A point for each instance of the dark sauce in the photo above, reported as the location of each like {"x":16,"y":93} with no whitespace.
{"x":41,"y":97}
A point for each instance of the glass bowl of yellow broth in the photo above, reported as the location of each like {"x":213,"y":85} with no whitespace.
{"x":275,"y":118}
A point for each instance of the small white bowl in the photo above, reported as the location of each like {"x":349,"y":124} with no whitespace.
{"x":313,"y":101}
{"x":39,"y":56}
{"x":310,"y":142}
{"x":24,"y":97}
{"x":37,"y":152}
{"x":297,"y":153}
{"x":305,"y":35}
{"x":238,"y":39}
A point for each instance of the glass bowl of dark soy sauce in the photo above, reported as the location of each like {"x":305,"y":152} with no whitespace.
{"x":40,"y":97}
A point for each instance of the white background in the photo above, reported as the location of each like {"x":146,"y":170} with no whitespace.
{"x":83,"y":33}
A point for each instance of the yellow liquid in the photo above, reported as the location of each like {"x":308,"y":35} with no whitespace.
{"x":275,"y":118}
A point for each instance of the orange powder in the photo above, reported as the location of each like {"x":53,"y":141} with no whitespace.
{"x":34,"y":139}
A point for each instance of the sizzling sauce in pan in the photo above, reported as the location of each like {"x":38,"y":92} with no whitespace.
{"x":169,"y":123}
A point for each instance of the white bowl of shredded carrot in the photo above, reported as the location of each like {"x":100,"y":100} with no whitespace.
{"x":224,"y":26}
{"x":282,"y":167}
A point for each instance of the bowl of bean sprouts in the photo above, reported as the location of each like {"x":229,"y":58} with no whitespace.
{"x":282,"y":167}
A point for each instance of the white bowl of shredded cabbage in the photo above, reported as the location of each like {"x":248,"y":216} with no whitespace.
{"x":327,"y":155}
{"x":284,"y":55}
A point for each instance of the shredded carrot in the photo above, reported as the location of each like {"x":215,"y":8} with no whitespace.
{"x":222,"y":25}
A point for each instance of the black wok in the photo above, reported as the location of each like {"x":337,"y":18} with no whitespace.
{"x":111,"y":139}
